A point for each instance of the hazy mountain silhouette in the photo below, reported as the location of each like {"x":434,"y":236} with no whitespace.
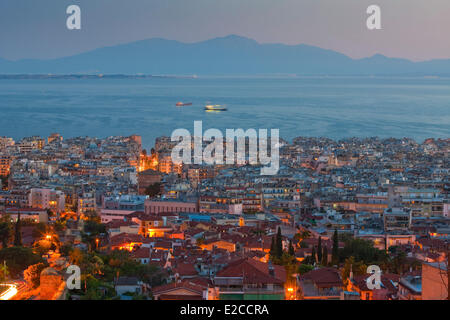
{"x":227,"y":55}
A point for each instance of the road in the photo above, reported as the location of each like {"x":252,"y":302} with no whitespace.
{"x":15,"y":287}
{"x":10,"y":292}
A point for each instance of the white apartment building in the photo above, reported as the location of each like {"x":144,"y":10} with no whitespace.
{"x":44,"y":198}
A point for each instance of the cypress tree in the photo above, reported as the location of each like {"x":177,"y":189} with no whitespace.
{"x":319,"y":250}
{"x":291,"y":249}
{"x":325,"y":256}
{"x":313,"y":255}
{"x":18,"y":234}
{"x":335,"y":249}
{"x":279,"y":244}
{"x":272,"y":247}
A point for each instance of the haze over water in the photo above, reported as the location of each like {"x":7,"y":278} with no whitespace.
{"x":333,"y":107}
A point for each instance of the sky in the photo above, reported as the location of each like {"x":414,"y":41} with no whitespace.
{"x":412,"y":29}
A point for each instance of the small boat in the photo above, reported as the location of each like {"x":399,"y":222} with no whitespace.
{"x":215,"y":107}
{"x":182,"y":104}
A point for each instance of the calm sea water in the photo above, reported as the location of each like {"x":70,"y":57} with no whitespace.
{"x":334,"y":107}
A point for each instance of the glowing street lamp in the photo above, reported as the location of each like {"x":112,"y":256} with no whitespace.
{"x":291,"y":295}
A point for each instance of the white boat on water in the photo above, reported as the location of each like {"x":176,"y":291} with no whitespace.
{"x":215,"y":107}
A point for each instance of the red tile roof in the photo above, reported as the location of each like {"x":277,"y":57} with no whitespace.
{"x":386,"y":281}
{"x":123,"y":238}
{"x":119,"y":223}
{"x":185,"y":269}
{"x":195,"y":285}
{"x":324,"y":277}
{"x":254,"y":271}
{"x":141,"y":253}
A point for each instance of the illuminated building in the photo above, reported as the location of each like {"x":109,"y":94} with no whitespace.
{"x":6,"y":142}
{"x":29,"y":144}
{"x":249,"y":279}
{"x":35,"y":215}
{"x":187,"y":289}
{"x":47,"y":199}
{"x":54,"y":137}
{"x":221,"y":244}
{"x":5,"y":164}
{"x":196,"y":174}
{"x":156,"y":207}
{"x":434,"y":281}
{"x":137,"y":139}
{"x":321,"y":284}
{"x":147,"y":162}
{"x":87,"y":203}
{"x":126,"y":241}
{"x":152,"y":226}
{"x":396,"y":219}
{"x":167,"y":166}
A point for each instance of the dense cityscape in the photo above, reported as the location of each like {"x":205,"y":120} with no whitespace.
{"x":141,"y":227}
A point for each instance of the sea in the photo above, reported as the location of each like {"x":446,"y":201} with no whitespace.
{"x":334,"y":107}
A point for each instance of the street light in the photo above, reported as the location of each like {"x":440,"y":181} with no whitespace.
{"x":48,"y":237}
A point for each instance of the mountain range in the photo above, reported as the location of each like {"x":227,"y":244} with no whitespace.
{"x":230,"y":55}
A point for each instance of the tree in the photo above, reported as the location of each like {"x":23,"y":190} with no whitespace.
{"x":399,"y":262}
{"x":59,"y":225}
{"x":18,"y":258}
{"x":272,"y":247}
{"x":4,"y":182}
{"x":304,"y":268}
{"x":3,"y":272}
{"x":5,"y":232}
{"x":305,"y":234}
{"x":18,"y":234}
{"x":259,"y":232}
{"x":325,"y":256}
{"x":335,"y":249}
{"x":153,"y":190}
{"x":41,"y":247}
{"x":76,"y":256}
{"x":92,"y":230}
{"x":32,"y":275}
{"x":363,"y":250}
{"x":200,"y":241}
{"x":319,"y":250}
{"x":66,"y":249}
{"x":279,"y":244}
{"x":357,"y":267}
{"x":50,"y":213}
{"x":291,"y":249}
{"x":313,"y":254}
{"x":40,"y":230}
